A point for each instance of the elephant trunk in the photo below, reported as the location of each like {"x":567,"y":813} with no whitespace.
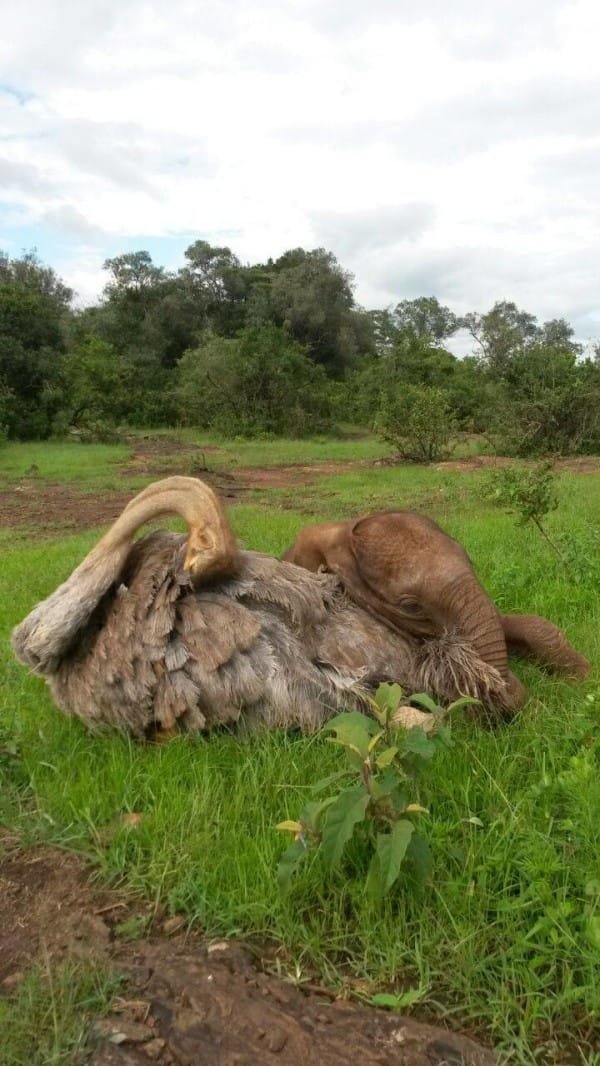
{"x":467,"y":607}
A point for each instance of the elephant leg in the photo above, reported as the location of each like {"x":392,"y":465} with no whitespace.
{"x":539,"y":639}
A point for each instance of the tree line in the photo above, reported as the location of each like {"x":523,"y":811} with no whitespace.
{"x":282,"y":348}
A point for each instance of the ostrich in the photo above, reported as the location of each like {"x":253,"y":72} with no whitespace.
{"x":185,"y":632}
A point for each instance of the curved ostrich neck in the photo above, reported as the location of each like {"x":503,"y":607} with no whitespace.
{"x":190,"y":499}
{"x":51,"y":627}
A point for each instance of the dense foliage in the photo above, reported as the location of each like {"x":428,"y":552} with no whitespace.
{"x":282,"y":348}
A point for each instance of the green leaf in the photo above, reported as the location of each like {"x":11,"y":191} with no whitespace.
{"x":464,"y":701}
{"x":386,"y":757}
{"x":344,"y":814}
{"x":313,"y":812}
{"x":417,"y":742}
{"x":390,"y":850}
{"x":353,"y":730}
{"x":423,"y":700}
{"x":325,"y":782}
{"x":388,"y":696}
{"x":399,"y":1001}
{"x":289,"y":861}
{"x":375,"y":740}
{"x":386,"y":783}
{"x":420,"y":858}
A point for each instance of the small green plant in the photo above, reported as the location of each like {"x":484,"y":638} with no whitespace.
{"x":134,"y":927}
{"x":377,"y":793}
{"x":530,"y":493}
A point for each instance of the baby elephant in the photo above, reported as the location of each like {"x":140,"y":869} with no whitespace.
{"x":404,"y":570}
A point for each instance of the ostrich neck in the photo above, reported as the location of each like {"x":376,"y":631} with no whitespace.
{"x":194,"y":503}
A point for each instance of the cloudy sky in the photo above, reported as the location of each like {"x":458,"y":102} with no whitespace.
{"x":436,"y":148}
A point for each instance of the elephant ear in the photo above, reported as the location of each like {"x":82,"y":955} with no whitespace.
{"x":383,"y":545}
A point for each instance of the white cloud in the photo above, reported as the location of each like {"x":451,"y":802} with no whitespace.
{"x":353,"y":232}
{"x":435,"y":148}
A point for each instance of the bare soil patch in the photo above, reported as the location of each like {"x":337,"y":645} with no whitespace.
{"x":158,"y":457}
{"x":586,"y":464}
{"x":294,"y":475}
{"x":186,"y":1000}
{"x":45,"y":507}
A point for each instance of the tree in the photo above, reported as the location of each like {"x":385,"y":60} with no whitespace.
{"x":558,"y":335}
{"x":500,"y":333}
{"x":133,"y":273}
{"x":407,"y":360}
{"x":216,"y":277}
{"x":425,"y":317}
{"x":98,"y":383}
{"x":416,"y":420}
{"x":312,"y":296}
{"x":34,"y":309}
{"x":549,"y":403}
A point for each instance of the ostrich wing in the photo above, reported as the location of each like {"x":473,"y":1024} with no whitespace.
{"x":159,"y":651}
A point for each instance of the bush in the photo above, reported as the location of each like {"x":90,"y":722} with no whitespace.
{"x":416,"y":420}
{"x":547,"y":404}
{"x":258,"y":382}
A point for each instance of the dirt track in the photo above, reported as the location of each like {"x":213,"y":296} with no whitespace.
{"x":189,"y":1001}
{"x":50,"y":508}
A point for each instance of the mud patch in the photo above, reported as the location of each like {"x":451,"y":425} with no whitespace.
{"x":586,"y":464}
{"x":185,"y":1000}
{"x":47,"y":909}
{"x":293,"y":476}
{"x":47,"y":508}
{"x":44,"y":507}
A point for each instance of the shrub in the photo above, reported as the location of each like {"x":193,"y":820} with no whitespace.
{"x":547,"y":404}
{"x":258,"y":382}
{"x":416,"y":420}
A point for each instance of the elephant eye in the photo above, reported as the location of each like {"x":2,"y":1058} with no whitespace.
{"x":411,"y":606}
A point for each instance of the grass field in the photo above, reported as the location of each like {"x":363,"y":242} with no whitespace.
{"x":504,"y":940}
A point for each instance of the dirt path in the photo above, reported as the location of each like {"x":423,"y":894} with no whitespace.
{"x":48,"y":508}
{"x":583,"y":464}
{"x":186,"y":1000}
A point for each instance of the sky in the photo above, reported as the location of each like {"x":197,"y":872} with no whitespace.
{"x":437,"y":149}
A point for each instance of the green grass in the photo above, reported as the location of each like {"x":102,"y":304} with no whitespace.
{"x":59,"y":461}
{"x":505,"y":937}
{"x":276,"y":451}
{"x":93,"y":464}
{"x":47,"y":1021}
